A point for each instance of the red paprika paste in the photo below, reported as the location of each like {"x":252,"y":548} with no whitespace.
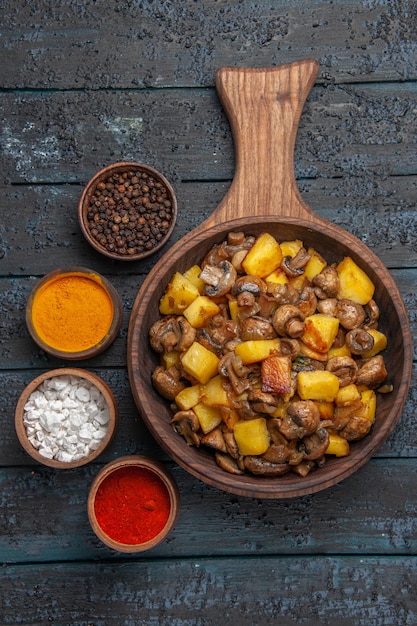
{"x":132,"y":505}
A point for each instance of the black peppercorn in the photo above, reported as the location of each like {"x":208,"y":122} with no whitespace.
{"x":129,"y":213}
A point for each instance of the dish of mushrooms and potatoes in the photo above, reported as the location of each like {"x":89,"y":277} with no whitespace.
{"x":270,"y":355}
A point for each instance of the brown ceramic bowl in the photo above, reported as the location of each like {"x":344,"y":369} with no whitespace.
{"x":264,"y":107}
{"x":45,"y":337}
{"x":142,"y":215}
{"x":145,"y":504}
{"x":91,"y":379}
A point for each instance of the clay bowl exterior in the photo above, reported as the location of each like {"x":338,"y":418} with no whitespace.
{"x":166,"y":479}
{"x":108,"y":338}
{"x":103,"y":175}
{"x":156,"y":411}
{"x":34,"y":384}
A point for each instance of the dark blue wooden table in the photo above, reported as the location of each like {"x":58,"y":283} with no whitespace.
{"x":85,"y":84}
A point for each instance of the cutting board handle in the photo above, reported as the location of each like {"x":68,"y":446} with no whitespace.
{"x":264,"y":108}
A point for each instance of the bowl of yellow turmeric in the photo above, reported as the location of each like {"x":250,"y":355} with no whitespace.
{"x":74,"y":313}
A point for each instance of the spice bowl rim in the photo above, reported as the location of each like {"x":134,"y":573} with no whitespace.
{"x":102,"y":174}
{"x":163,"y":474}
{"x":108,"y":338}
{"x":34,"y":384}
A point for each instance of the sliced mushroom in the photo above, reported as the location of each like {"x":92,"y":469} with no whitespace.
{"x":277,"y":453}
{"x":260,"y":466}
{"x":294,"y":266}
{"x":283,"y":294}
{"x":228,"y":464}
{"x":231,"y":445}
{"x":216,"y":255}
{"x":186,"y":423}
{"x":290,"y":347}
{"x":342,"y":414}
{"x":327,"y":282}
{"x":167,"y":381}
{"x":371,"y":315}
{"x":262,"y":402}
{"x":171,"y":332}
{"x":372,"y":372}
{"x":350,"y":314}
{"x":253,"y":328}
{"x":232,"y":368}
{"x":288,"y":321}
{"x":302,"y":418}
{"x":344,"y":367}
{"x":219,"y":278}
{"x":249,"y":284}
{"x":359,"y":341}
{"x":303,"y":468}
{"x":308,"y":301}
{"x":214,"y":439}
{"x":315,"y":445}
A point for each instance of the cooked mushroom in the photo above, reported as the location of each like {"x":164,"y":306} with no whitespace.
{"x":344,"y":367}
{"x":342,"y":414}
{"x":262,"y":402}
{"x":290,"y":347}
{"x":308,"y":301}
{"x":214,"y":439}
{"x":294,"y":266}
{"x":349,"y":313}
{"x":327,"y":282}
{"x":216,"y":255}
{"x":283,"y":294}
{"x":219,"y":278}
{"x":302,"y":418}
{"x":218,"y":332}
{"x":372,"y":372}
{"x":303,"y":468}
{"x":371,"y":315}
{"x":249,"y":284}
{"x":186,"y":423}
{"x":253,"y":328}
{"x":359,"y":341}
{"x":231,"y":367}
{"x":228,"y":464}
{"x":356,"y":428}
{"x":167,"y":381}
{"x":315,"y":445}
{"x":231,"y":445}
{"x":260,"y":466}
{"x":328,"y":306}
{"x":171,"y":332}
{"x":277,"y":453}
{"x":288,"y":321}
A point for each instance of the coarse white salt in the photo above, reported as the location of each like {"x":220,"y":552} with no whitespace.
{"x":66,"y":418}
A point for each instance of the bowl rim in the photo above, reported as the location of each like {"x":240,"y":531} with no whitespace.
{"x":34,"y":384}
{"x":102,"y":174}
{"x":163,"y":474}
{"x":108,"y":338}
{"x":145,"y":308}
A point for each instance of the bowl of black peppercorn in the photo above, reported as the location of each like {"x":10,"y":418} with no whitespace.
{"x":127,"y":211}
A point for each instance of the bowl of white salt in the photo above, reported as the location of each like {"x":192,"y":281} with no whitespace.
{"x":66,"y":417}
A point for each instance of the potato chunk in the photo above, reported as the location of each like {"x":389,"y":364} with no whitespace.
{"x":320,"y":331}
{"x":208,"y":416}
{"x":354,"y":283}
{"x":276,"y":374}
{"x":256,"y":350}
{"x":214,"y":394}
{"x":200,"y":363}
{"x":188,"y":397}
{"x":317,"y":385}
{"x":252,"y":436}
{"x":199,"y":312}
{"x":179,"y":294}
{"x":338,"y":446}
{"x":264,"y":257}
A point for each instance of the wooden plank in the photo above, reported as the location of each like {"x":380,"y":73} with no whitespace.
{"x":41,"y":230}
{"x":371,"y":512}
{"x":146,"y":44}
{"x":254,"y":591}
{"x":363,"y":132}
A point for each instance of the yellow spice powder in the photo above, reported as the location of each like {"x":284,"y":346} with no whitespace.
{"x":72,"y":312}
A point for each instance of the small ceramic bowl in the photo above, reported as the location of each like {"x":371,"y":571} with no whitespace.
{"x":49,"y":413}
{"x":146,"y":499}
{"x":74,"y":313}
{"x":127,"y":211}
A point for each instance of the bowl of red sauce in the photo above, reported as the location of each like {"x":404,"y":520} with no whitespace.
{"x":133,"y":504}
